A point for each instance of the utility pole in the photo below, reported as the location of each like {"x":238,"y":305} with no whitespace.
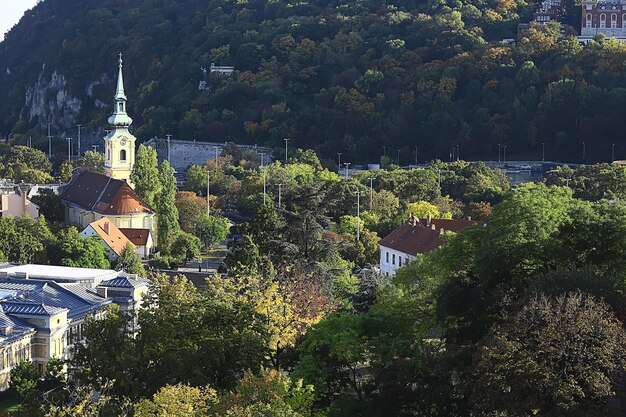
{"x":371,"y":194}
{"x":169,"y":137}
{"x":339,"y":159}
{"x":543,"y":151}
{"x":30,"y":141}
{"x":215,"y":148}
{"x":505,"y":154}
{"x":264,"y":179}
{"x":584,"y":152}
{"x":208,"y":192}
{"x":69,"y":149}
{"x":49,"y":142}
{"x":499,"y":152}
{"x":358,"y":216}
{"x":347,"y":164}
{"x":286,"y":142}
{"x":415,"y":155}
{"x":612,"y":152}
{"x":78,"y":146}
{"x":279,"y":194}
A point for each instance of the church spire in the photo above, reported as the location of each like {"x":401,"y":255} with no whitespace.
{"x":119,"y":118}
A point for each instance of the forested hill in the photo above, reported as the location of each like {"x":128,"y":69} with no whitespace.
{"x":335,"y":75}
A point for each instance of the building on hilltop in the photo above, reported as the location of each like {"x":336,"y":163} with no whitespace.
{"x":90,"y":196}
{"x":605,"y":17}
{"x":413,"y":237}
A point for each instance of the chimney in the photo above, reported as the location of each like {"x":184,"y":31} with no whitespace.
{"x":432,"y":226}
{"x":24,"y":189}
{"x":106,"y":227}
{"x":428,"y":219}
{"x":441,"y":231}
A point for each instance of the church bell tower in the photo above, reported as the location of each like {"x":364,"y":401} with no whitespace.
{"x":119,"y":145}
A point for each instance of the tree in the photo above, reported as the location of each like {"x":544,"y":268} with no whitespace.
{"x":167,"y":213}
{"x":146,"y":176}
{"x":50,"y":205}
{"x":191,"y":208}
{"x":185,"y":247}
{"x":211,"y":230}
{"x":93,"y":161}
{"x":24,"y":240}
{"x":554,"y":357}
{"x":129,"y":261}
{"x":26,"y":164}
{"x":24,"y":378}
{"x":178,"y":400}
{"x":265,"y":225}
{"x":71,"y":249}
{"x":65,"y":171}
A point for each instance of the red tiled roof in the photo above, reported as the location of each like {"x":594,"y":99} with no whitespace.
{"x":418,"y":238}
{"x":139,"y":237}
{"x":111,"y":235}
{"x":97,"y":192}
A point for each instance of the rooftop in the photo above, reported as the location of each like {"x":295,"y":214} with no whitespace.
{"x":52,"y":272}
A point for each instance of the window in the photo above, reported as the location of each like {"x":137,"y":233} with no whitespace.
{"x":393,"y":259}
{"x":613,"y":21}
{"x":399,"y":260}
{"x":121,"y":106}
{"x":588,"y":20}
{"x":603,"y":20}
{"x":123,"y":155}
{"x":406,"y":260}
{"x":387,"y":258}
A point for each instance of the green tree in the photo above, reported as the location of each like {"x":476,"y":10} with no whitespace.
{"x":50,"y":205}
{"x":65,"y":171}
{"x":211,"y":230}
{"x":93,"y":161}
{"x":146,"y":175}
{"x":190,"y":208}
{"x":130,"y":261}
{"x":71,"y":249}
{"x":553,"y":357}
{"x":185,"y":247}
{"x":178,"y":401}
{"x":167,"y":213}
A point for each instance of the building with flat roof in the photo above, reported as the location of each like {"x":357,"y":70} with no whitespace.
{"x":88,"y":277}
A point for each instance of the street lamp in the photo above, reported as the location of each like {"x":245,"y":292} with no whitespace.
{"x":612,"y":152}
{"x":543,"y":151}
{"x":169,"y":137}
{"x":49,"y":142}
{"x":347,"y":164}
{"x":371,"y":193}
{"x":286,"y":142}
{"x":499,"y":146}
{"x":339,"y":159}
{"x":208,"y":192}
{"x":78,"y":148}
{"x":358,"y":215}
{"x":505,"y":154}
{"x":264,"y":179}
{"x":215,"y":149}
{"x":69,"y":149}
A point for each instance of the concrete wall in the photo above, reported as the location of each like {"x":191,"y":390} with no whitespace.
{"x":183,"y":153}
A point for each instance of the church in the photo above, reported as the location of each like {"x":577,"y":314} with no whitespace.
{"x":91,"y":196}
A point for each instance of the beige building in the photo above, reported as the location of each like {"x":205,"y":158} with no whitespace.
{"x":14,"y":202}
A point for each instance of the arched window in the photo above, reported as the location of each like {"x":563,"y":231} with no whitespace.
{"x":121,"y":106}
{"x":602,"y":20}
{"x":623,"y":20}
{"x":588,"y":20}
{"x":613,"y":21}
{"x":123,"y":155}
{"x":108,"y":154}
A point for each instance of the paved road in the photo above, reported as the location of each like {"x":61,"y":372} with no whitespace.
{"x":208,"y":265}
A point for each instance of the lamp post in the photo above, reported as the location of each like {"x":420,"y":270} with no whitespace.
{"x":358,"y":215}
{"x":69,"y":149}
{"x":499,"y":146}
{"x":543,"y":151}
{"x":215,"y":148}
{"x":78,"y":147}
{"x":458,"y":152}
{"x":339,"y":159}
{"x":347,"y":164}
{"x":169,"y":137}
{"x":286,"y":142}
{"x":371,"y":194}
{"x":612,"y":152}
{"x":49,"y":142}
{"x":505,"y":154}
{"x":208,"y":192}
{"x":264,"y":179}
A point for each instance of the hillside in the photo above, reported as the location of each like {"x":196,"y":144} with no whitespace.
{"x":337,"y":76}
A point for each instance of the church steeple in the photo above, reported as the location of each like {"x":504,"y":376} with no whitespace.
{"x":120,"y":118}
{"x":120,"y":143}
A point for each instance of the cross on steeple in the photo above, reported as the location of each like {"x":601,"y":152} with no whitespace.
{"x":120,"y":61}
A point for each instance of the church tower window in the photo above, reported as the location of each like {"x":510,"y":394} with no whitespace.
{"x":123,"y":155}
